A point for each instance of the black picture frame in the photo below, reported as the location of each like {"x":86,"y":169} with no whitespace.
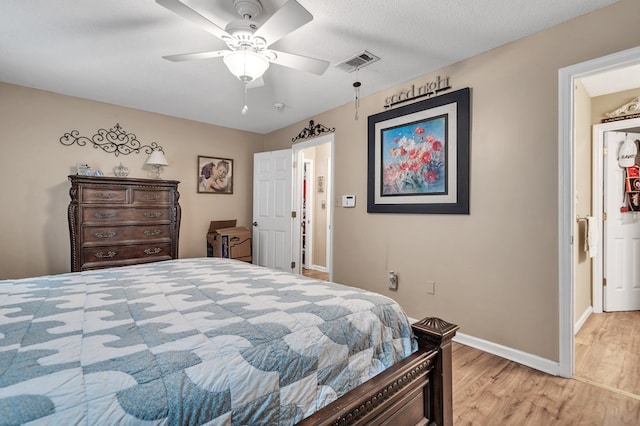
{"x":418,"y":157}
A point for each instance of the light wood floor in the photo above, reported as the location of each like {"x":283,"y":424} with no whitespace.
{"x":489,"y":390}
{"x":608,"y":351}
{"x":311,"y":273}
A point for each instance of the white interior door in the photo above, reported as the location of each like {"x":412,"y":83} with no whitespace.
{"x":272,"y":209}
{"x":621,"y":235}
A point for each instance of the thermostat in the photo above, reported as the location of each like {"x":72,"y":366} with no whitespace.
{"x":348,"y":201}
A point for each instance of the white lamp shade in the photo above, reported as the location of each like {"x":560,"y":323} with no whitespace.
{"x":246,"y":65}
{"x":157,"y":158}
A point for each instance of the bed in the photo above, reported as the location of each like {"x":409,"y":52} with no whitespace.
{"x":218,"y":342}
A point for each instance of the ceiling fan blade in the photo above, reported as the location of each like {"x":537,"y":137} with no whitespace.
{"x":302,"y":63}
{"x":186,"y":12}
{"x":197,"y":55}
{"x":289,"y":17}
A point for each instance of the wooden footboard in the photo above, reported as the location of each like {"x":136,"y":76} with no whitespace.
{"x":415,"y":391}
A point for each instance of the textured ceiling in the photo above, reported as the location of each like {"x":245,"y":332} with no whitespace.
{"x":111,"y":51}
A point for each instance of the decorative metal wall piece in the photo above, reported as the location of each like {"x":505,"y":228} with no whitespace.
{"x":115,"y":140}
{"x":312,"y":131}
{"x":626,"y":111}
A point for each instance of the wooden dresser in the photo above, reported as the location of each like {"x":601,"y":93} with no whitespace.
{"x":115,"y":221}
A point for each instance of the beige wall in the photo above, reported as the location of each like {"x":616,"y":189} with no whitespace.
{"x":583,"y":153}
{"x":496,"y":270}
{"x":34,"y":168}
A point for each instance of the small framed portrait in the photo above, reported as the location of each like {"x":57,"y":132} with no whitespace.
{"x":215,"y":175}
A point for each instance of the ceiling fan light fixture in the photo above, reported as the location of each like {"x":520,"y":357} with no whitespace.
{"x":246,"y":65}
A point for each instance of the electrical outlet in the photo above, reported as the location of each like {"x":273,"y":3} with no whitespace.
{"x":393,"y":280}
{"x":431,"y":287}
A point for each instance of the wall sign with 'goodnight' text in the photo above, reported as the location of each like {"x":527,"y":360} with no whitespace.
{"x":426,"y":90}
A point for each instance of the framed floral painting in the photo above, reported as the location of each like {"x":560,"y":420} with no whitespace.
{"x":418,"y":160}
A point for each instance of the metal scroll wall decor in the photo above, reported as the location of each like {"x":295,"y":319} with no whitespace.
{"x":624,"y":112}
{"x":115,"y":140}
{"x":312,"y":131}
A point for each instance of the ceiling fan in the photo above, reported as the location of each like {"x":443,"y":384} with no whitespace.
{"x":248,"y":56}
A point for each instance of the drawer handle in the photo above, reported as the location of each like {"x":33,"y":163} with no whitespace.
{"x":101,"y":255}
{"x":148,"y":232}
{"x":107,"y":235}
{"x":153,"y":251}
{"x":104,"y":215}
{"x":151,"y":196}
{"x":152,"y":214}
{"x":104,"y":196}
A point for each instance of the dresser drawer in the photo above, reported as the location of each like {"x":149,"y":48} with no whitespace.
{"x":105,"y":215}
{"x":151,"y":196}
{"x":108,"y":254}
{"x":116,"y":195}
{"x":112,"y":234}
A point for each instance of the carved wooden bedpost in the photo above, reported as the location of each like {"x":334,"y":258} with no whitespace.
{"x":414,"y":391}
{"x":437,"y":334}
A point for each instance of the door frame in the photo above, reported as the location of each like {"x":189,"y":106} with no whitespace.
{"x":297,"y":198}
{"x":567,"y":78}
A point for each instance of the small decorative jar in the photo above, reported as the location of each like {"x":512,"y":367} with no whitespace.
{"x":121,"y":170}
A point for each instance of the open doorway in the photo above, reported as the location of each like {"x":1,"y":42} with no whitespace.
{"x":568,"y":77}
{"x":615,"y":261}
{"x":307,"y":221}
{"x":608,"y":334}
{"x":312,"y":187}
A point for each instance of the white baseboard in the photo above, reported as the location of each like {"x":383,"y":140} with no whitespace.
{"x":515,"y":355}
{"x":318,"y":268}
{"x":578,"y":325}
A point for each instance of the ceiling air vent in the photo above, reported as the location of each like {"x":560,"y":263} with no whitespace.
{"x":360,"y":60}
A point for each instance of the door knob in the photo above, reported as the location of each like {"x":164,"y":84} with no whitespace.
{"x":255,"y":223}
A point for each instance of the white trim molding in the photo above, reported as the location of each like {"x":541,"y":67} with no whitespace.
{"x":318,"y":268}
{"x":524,"y":358}
{"x":583,"y":318}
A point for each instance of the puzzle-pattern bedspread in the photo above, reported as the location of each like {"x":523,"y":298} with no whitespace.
{"x":189,"y":341}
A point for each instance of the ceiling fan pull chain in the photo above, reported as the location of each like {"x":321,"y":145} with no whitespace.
{"x":356,"y":87}
{"x":245,"y":108}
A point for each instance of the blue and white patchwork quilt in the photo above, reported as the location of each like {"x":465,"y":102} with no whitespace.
{"x":191,"y":341}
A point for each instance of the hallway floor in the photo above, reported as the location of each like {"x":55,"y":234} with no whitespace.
{"x":311,"y":273}
{"x":608,"y":352}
